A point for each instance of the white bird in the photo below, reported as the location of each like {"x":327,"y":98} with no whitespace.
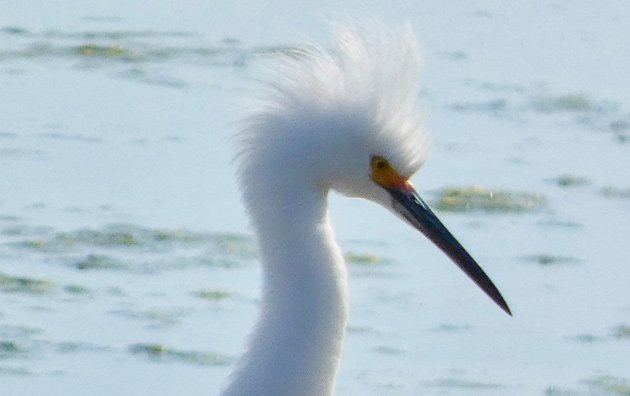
{"x":343,"y":120}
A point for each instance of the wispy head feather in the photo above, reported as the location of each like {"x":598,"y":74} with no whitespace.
{"x":361,"y":95}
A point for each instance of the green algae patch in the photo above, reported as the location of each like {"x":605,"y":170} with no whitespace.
{"x":98,"y":262}
{"x":586,"y":338}
{"x":462,"y":384}
{"x":476,"y":198}
{"x":212,"y":295}
{"x":19,"y":284}
{"x":387,"y":350}
{"x":101,"y":51}
{"x":116,"y":235}
{"x":179,"y":236}
{"x":58,"y":243}
{"x":151,"y":350}
{"x":620,"y":125}
{"x":22,"y":230}
{"x":131,"y":235}
{"x":237,"y":245}
{"x":494,"y":106}
{"x":14,"y":30}
{"x":159,"y":317}
{"x":159,"y":352}
{"x":111,"y":236}
{"x":567,"y":181}
{"x":614,"y":192}
{"x":99,"y":248}
{"x":77,"y":290}
{"x":107,"y":48}
{"x":75,"y":346}
{"x":19,"y":331}
{"x":365,"y":259}
{"x":14,"y":371}
{"x":12,"y":350}
{"x":622,"y":332}
{"x":556,"y":391}
{"x":549,"y":259}
{"x":9,"y":348}
{"x":220,"y":262}
{"x":116,"y":35}
{"x":559,"y":223}
{"x":569,"y":103}
{"x":611,"y":385}
{"x":67,"y":240}
{"x":450,"y":327}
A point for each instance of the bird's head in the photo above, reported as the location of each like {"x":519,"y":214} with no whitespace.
{"x":328,"y":114}
{"x":348,"y":120}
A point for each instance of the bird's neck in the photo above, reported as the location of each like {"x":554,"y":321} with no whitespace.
{"x":296,"y":346}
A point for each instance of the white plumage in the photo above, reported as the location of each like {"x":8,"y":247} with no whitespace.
{"x":346,"y":120}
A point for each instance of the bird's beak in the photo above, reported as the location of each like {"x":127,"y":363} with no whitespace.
{"x":408,"y":204}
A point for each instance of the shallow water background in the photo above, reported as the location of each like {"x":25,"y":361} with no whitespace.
{"x":126,"y":263}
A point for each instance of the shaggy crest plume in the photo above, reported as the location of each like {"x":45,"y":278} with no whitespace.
{"x":366,"y":85}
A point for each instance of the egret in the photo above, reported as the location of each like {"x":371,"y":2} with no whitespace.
{"x":345,"y":120}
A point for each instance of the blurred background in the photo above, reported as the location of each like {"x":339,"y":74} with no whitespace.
{"x":126,"y":261}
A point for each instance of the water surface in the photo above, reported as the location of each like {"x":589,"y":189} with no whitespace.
{"x":126,"y":262}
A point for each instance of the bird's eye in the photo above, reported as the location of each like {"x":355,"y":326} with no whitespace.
{"x":379,"y":163}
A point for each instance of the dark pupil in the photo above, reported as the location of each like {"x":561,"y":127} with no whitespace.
{"x":380,"y":164}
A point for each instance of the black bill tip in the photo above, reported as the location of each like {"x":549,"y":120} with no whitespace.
{"x":408,"y":204}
